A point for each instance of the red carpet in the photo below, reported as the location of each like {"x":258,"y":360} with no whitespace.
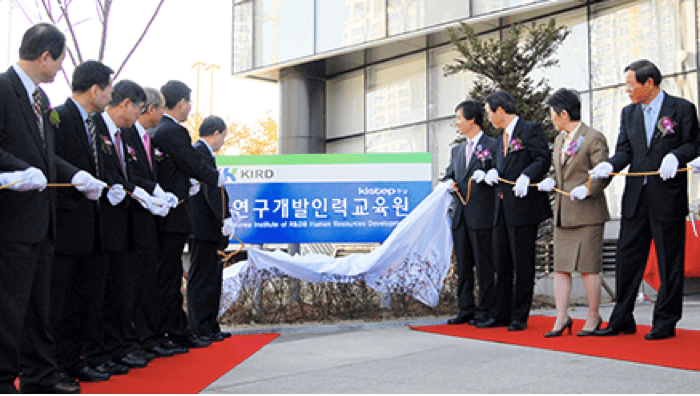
{"x":682,"y":351}
{"x":187,"y":373}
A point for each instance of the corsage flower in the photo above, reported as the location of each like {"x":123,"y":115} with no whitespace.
{"x":515,"y":145}
{"x":159,"y":154}
{"x":665,"y":126}
{"x":54,"y":118}
{"x":106,"y":145}
{"x":574,"y":147}
{"x":132,"y":153}
{"x":482,"y":153}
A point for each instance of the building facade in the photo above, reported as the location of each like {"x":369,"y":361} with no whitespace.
{"x":361,"y":76}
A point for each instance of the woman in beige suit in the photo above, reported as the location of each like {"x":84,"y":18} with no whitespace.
{"x":579,"y":219}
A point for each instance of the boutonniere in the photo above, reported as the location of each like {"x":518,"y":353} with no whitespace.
{"x":106,"y":145}
{"x":665,"y":126}
{"x":54,"y":118}
{"x":159,"y":154}
{"x":574,"y":147}
{"x":515,"y":145}
{"x":482,"y":154}
{"x":132,"y":153}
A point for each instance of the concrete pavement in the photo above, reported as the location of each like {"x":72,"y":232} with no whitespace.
{"x":388,"y":357}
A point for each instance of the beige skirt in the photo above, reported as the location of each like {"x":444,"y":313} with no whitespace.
{"x":579,"y":249}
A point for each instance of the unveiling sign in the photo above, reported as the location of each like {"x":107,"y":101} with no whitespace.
{"x":306,"y":198}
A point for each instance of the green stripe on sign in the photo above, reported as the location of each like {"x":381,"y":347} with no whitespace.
{"x":320,"y":159}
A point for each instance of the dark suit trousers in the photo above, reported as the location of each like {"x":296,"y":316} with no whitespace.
{"x":473,"y":250}
{"x":25,"y":339}
{"x":146,"y":304}
{"x":204,"y":287}
{"x":633,"y":248}
{"x":514,"y":253}
{"x":172,"y":319}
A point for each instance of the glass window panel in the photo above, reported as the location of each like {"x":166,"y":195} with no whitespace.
{"x":355,"y":145}
{"x":410,"y":139}
{"x":342,"y":23}
{"x":649,"y":29}
{"x":242,"y":37}
{"x":486,"y":6}
{"x":345,"y":105}
{"x":442,"y":138}
{"x":396,"y":93}
{"x":572,"y":71}
{"x":284,"y":30}
{"x":408,"y":15}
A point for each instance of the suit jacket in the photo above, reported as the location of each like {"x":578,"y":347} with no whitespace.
{"x":669,"y":198}
{"x":207,"y":209}
{"x":573,"y":172}
{"x":76,"y":216}
{"x":142,"y":174}
{"x":533,"y":160}
{"x":178,"y":163}
{"x":27,"y":216}
{"x":479,"y":210}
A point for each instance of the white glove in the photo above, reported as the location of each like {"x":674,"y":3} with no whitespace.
{"x":236,"y":217}
{"x":222,"y":179}
{"x":478,"y":175}
{"x":90,"y":186}
{"x":171,"y":200}
{"x":194,"y":187}
{"x":695,"y":164}
{"x":32,"y":179}
{"x":11,"y":177}
{"x":521,"y":185}
{"x":142,"y":196}
{"x":669,"y":167}
{"x":229,"y":227}
{"x":158,"y":192}
{"x":491,"y":177}
{"x":448,"y":185}
{"x":158,"y":207}
{"x":116,"y":194}
{"x":601,"y":171}
{"x":547,"y":184}
{"x":580,"y":193}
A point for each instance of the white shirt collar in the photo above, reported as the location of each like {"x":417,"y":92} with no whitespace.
{"x":140,"y":129}
{"x":111,"y":126}
{"x":476,"y":138}
{"x":83,"y":114}
{"x":26,"y":81}
{"x":656,"y":103}
{"x":208,"y":146}
{"x":511,"y":126}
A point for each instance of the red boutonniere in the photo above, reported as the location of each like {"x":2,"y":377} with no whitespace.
{"x":482,"y":154}
{"x":665,"y":126}
{"x":515,"y":145}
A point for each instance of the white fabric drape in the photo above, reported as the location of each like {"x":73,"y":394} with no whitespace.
{"x":415,"y":257}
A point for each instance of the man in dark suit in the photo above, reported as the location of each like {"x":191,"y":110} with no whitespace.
{"x":142,"y":171}
{"x":523,"y":155}
{"x":179,"y":162}
{"x":472,"y":224}
{"x":77,"y":240}
{"x":658,"y":131}
{"x":209,"y":212}
{"x":28,"y":223}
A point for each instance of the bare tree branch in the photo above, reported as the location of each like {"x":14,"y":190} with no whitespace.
{"x":105,"y":22}
{"x":64,"y":12}
{"x":145,"y":30}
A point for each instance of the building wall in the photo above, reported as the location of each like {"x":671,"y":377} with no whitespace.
{"x":406,"y":104}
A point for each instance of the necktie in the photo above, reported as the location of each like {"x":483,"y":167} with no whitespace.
{"x":93,"y":141}
{"x":37,"y":110}
{"x":505,"y":143}
{"x":648,"y":124}
{"x":470,"y":151}
{"x":147,"y":146}
{"x":118,"y":143}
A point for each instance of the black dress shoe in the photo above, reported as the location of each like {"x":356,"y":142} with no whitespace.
{"x":658,"y":334}
{"x":176,"y":349}
{"x":112,"y":368}
{"x":214,"y":337}
{"x":193,"y":342}
{"x":489,"y":323}
{"x":89,"y":374}
{"x":132,"y":361}
{"x":141,"y":354}
{"x":63,"y":385}
{"x":225,"y":334}
{"x":613,"y":331}
{"x":517,"y":325}
{"x":159,"y":351}
{"x":460,"y":319}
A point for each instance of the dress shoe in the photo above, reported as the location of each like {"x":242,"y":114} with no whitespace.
{"x":88,"y":374}
{"x":586,"y":333}
{"x":613,"y":331}
{"x":62,"y":384}
{"x":658,"y":334}
{"x":159,"y":351}
{"x":132,"y":361}
{"x":193,"y":342}
{"x":489,"y":323}
{"x":214,"y":337}
{"x":460,"y":319}
{"x":557,"y":333}
{"x":175,"y":348}
{"x":517,"y":325}
{"x":143,"y":355}
{"x":225,"y":334}
{"x":112,"y":368}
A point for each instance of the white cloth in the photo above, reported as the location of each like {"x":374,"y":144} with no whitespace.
{"x":669,"y":167}
{"x":194,"y":187}
{"x":158,"y":207}
{"x":601,"y":171}
{"x":695,"y":164}
{"x":580,"y":193}
{"x":88,"y":185}
{"x":521,"y":185}
{"x":142,"y":196}
{"x":415,"y":258}
{"x":32,"y":179}
{"x":478,"y":175}
{"x":449,"y":185}
{"x":229,"y":227}
{"x":547,"y":185}
{"x":116,"y":194}
{"x":491,"y":177}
